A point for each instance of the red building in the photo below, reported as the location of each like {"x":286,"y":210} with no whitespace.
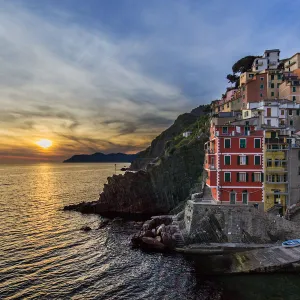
{"x":234,"y":163}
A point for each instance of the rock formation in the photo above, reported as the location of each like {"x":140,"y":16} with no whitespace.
{"x":164,"y":182}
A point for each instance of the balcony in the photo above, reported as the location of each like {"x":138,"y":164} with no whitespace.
{"x":278,"y":150}
{"x":276,"y":182}
{"x":209,"y":151}
{"x":276,"y":169}
{"x":211,"y":167}
{"x":277,"y":193}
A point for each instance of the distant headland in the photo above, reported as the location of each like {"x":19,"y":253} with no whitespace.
{"x":101,"y":157}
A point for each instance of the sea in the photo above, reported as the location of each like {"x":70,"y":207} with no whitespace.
{"x":44,"y":254}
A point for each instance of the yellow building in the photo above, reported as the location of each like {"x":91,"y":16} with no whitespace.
{"x":276,"y":171}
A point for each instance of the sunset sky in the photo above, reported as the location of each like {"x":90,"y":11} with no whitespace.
{"x":110,"y":75}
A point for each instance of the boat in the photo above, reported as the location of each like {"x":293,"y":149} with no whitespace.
{"x":291,"y":243}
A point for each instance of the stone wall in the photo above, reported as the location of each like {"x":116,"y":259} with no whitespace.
{"x":238,"y":224}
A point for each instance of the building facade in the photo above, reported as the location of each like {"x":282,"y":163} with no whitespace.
{"x":292,"y":63}
{"x":234,"y":164}
{"x":270,"y":60}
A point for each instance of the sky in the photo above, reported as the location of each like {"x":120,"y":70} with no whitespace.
{"x":110,"y":75}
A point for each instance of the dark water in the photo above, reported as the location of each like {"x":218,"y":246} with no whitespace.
{"x":43,"y":253}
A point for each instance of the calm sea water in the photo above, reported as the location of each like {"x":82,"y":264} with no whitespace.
{"x":43,"y":253}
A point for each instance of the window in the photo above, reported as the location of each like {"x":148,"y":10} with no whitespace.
{"x":257,"y":160}
{"x":242,"y":160}
{"x":278,"y":85}
{"x":298,"y":112}
{"x":291,"y":122}
{"x":269,"y":112}
{"x":294,"y":98}
{"x":256,"y":143}
{"x":277,"y":163}
{"x":282,"y":122}
{"x":243,"y":96}
{"x":290,"y":112}
{"x":269,"y":162}
{"x":256,"y":177}
{"x":261,"y":78}
{"x":227,"y":143}
{"x":250,"y":75}
{"x":272,"y":94}
{"x":242,"y":143}
{"x":298,"y":170}
{"x":256,"y":68}
{"x":261,"y":94}
{"x":245,"y":197}
{"x":227,"y":159}
{"x":279,"y":76}
{"x":282,"y":112}
{"x":272,"y":86}
{"x":294,"y":89}
{"x":272,"y":77}
{"x":224,"y":129}
{"x":269,"y":122}
{"x":242,"y":177}
{"x":227,"y":176}
{"x":243,"y":88}
{"x":227,"y":104}
{"x":261,"y":86}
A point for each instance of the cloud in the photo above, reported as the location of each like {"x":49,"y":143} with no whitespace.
{"x":113,"y":80}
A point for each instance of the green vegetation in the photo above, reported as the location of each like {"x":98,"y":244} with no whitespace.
{"x":242,"y":65}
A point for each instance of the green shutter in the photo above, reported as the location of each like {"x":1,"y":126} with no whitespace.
{"x":227,"y":177}
{"x":247,"y":160}
{"x":227,"y":143}
{"x":242,"y":143}
{"x":247,"y":177}
{"x":252,"y":177}
{"x":238,"y":160}
{"x":257,"y":160}
{"x":262,"y":177}
{"x":227,"y":160}
{"x":237,"y":177}
{"x":257,"y":143}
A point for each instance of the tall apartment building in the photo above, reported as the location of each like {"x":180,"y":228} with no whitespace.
{"x":292,"y":63}
{"x":234,"y":163}
{"x":255,"y":90}
{"x":290,"y":87}
{"x":270,"y":60}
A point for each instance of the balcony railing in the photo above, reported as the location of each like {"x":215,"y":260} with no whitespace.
{"x":211,"y":167}
{"x":210,"y":151}
{"x":276,"y":169}
{"x":277,"y":193}
{"x":276,"y":182}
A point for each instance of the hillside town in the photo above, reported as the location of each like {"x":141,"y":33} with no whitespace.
{"x":253,"y":153}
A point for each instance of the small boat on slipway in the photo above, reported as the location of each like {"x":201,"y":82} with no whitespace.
{"x":291,"y":243}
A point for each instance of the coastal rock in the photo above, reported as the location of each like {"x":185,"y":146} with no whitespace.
{"x":103,"y":223}
{"x":86,"y":228}
{"x":149,"y":243}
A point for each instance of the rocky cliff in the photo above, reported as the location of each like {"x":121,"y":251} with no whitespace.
{"x":174,"y":165}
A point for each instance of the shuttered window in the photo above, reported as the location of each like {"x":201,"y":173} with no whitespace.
{"x":257,"y":160}
{"x":227,"y":160}
{"x":242,"y":177}
{"x":227,"y":176}
{"x":227,"y":143}
{"x":242,"y":143}
{"x":256,"y":143}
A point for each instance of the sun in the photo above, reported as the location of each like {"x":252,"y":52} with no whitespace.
{"x":44,"y":143}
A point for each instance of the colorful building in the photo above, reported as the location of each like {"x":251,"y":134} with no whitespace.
{"x":290,"y":87}
{"x":234,"y":163}
{"x":292,"y":63}
{"x":270,"y":60}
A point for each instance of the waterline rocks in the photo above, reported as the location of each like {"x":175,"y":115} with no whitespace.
{"x":161,"y":233}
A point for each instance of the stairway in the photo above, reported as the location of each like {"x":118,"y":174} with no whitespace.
{"x":179,"y":240}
